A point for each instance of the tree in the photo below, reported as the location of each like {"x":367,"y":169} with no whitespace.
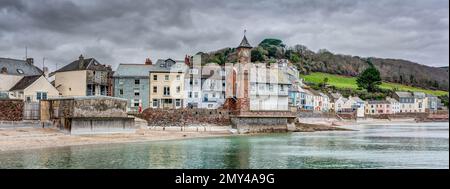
{"x":370,"y":78}
{"x":269,"y":42}
{"x":325,"y":80}
{"x":294,"y":58}
{"x":257,"y":56}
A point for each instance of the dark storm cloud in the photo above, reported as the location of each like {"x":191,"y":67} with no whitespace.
{"x":115,"y":31}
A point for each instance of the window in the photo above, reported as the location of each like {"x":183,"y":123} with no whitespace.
{"x":178,"y":77}
{"x":102,"y":90}
{"x":178,"y":89}
{"x":196,"y":94}
{"x":178,"y":102}
{"x":253,"y":87}
{"x":271,"y":87}
{"x":196,"y":82}
{"x":155,"y":89}
{"x":136,"y":92}
{"x":210,"y":105}
{"x":41,"y":95}
{"x":20,"y":71}
{"x":190,"y":94}
{"x":137,"y":81}
{"x":282,"y":87}
{"x":155,"y":103}
{"x":136,"y":102}
{"x":155,"y":77}
{"x":121,"y":91}
{"x":166,"y":77}
{"x":214,"y":95}
{"x":166,"y":91}
{"x":120,"y":82}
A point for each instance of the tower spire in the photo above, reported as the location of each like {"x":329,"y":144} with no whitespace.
{"x":244,"y":42}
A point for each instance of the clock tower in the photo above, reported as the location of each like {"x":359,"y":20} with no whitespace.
{"x":244,"y":51}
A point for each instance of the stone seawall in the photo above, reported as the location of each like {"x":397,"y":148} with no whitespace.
{"x":185,"y":117}
{"x":260,"y":124}
{"x":102,"y":126}
{"x":11,"y":110}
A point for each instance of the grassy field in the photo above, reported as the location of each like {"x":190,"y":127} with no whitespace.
{"x":350,"y":82}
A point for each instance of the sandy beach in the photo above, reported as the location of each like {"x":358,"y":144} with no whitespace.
{"x":34,"y":138}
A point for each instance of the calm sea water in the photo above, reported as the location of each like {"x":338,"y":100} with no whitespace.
{"x":401,"y":146}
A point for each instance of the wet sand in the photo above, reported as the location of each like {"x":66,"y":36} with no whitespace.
{"x":34,"y":138}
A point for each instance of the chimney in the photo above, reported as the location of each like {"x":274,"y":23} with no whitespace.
{"x":30,"y":61}
{"x":187,"y":60}
{"x":80,"y":61}
{"x":148,"y":61}
{"x":45,"y":70}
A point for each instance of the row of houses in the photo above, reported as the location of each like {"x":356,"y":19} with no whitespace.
{"x":401,"y":102}
{"x":172,"y":83}
{"x":167,"y":83}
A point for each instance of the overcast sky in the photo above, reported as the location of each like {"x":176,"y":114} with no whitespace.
{"x":128,"y":31}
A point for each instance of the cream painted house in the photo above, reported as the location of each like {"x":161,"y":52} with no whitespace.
{"x":13,"y":70}
{"x":84,"y":77}
{"x":33,"y":89}
{"x":167,"y":84}
{"x":420,"y":102}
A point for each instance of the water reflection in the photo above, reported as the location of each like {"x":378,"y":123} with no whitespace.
{"x":373,"y":146}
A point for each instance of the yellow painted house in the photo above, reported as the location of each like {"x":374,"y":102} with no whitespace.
{"x":167,"y":84}
{"x":84,"y":77}
{"x":33,"y":88}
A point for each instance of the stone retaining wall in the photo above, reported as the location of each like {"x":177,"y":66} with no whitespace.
{"x":185,"y":116}
{"x":11,"y":110}
{"x":260,"y":124}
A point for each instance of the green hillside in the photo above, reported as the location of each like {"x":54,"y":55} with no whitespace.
{"x":350,"y":82}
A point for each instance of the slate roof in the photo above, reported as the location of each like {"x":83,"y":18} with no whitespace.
{"x":16,"y":67}
{"x":378,"y":102}
{"x":133,"y":70}
{"x":392,"y":100}
{"x":88,"y":64}
{"x":356,"y":99}
{"x":213,"y":72}
{"x":419,"y":95}
{"x":404,"y":94}
{"x":25,"y":82}
{"x":244,"y":43}
{"x":169,"y":65}
{"x":335,"y":96}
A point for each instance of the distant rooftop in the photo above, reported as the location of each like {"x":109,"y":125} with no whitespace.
{"x":133,"y":70}
{"x":86,"y":64}
{"x":25,"y":82}
{"x":18,"y":67}
{"x":169,"y":65}
{"x":404,"y":94}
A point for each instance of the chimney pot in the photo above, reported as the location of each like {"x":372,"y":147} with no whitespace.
{"x":148,"y":61}
{"x":80,"y":61}
{"x":30,"y":61}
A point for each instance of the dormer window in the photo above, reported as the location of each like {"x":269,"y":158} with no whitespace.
{"x":20,"y":71}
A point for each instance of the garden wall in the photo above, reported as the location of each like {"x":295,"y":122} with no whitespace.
{"x":11,"y":110}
